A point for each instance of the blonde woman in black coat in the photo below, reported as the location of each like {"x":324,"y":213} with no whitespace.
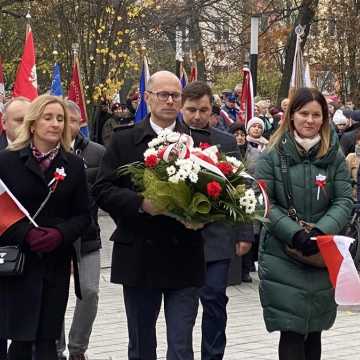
{"x":32,"y":306}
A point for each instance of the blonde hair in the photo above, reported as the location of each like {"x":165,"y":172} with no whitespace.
{"x":299,"y":99}
{"x":36,"y":110}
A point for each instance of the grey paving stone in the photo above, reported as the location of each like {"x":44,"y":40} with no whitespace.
{"x":246,"y":333}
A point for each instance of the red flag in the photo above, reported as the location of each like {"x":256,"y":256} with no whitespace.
{"x":75,"y":92}
{"x":247,"y":98}
{"x":9,"y":210}
{"x":193,"y":72}
{"x":2,"y":92}
{"x":342,"y":271}
{"x":26,"y":79}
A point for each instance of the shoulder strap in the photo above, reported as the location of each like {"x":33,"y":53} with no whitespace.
{"x":284,"y":170}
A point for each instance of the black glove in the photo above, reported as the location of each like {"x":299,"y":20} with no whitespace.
{"x":302,"y":242}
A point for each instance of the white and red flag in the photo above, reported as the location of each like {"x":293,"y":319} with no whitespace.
{"x":26,"y":78}
{"x":11,"y":211}
{"x":247,"y":102}
{"x":342,"y":271}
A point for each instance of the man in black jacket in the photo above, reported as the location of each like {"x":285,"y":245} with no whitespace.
{"x":89,"y":246}
{"x":13,"y":116}
{"x":219,"y":238}
{"x":347,"y":140}
{"x":154,"y":255}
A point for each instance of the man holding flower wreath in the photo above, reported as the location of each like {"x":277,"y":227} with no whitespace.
{"x":154,"y":256}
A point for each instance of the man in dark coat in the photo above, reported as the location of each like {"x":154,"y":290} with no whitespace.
{"x":121,"y":118}
{"x":219,"y":238}
{"x":90,"y":244}
{"x":154,"y":256}
{"x":347,"y":140}
{"x":12,"y":118}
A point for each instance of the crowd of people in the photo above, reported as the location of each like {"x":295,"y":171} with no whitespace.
{"x":155,"y":257}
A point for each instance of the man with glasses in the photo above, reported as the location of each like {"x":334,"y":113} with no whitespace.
{"x":154,"y":256}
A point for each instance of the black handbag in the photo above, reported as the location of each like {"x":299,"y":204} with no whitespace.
{"x":12,"y":261}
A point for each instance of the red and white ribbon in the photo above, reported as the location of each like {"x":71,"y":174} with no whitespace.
{"x":320,"y":182}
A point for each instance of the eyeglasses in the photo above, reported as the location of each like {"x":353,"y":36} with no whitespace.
{"x":164,"y":95}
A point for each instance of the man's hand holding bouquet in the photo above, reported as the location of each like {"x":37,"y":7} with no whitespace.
{"x":195,"y":185}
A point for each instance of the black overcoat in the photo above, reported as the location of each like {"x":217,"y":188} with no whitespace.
{"x":3,"y":141}
{"x":149,"y":251}
{"x":33,"y":305}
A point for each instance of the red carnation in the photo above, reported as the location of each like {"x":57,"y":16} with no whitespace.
{"x":213,"y":189}
{"x":151,"y":161}
{"x":204,"y":146}
{"x":225,"y":167}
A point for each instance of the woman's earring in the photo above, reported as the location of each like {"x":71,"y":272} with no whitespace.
{"x":32,"y":131}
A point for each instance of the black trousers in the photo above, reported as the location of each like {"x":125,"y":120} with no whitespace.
{"x":142,"y":310}
{"x":26,"y":350}
{"x":3,"y":349}
{"x":294,"y":346}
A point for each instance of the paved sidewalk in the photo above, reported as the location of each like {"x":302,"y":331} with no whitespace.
{"x":247,"y":336}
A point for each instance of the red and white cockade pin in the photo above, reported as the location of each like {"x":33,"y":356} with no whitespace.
{"x":59,"y":175}
{"x":320,"y":182}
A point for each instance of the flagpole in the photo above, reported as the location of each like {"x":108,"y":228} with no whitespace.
{"x":28,"y":18}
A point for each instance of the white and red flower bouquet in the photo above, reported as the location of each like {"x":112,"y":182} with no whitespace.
{"x":196,"y":185}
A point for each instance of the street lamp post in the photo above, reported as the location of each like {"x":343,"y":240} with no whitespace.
{"x":254,"y":49}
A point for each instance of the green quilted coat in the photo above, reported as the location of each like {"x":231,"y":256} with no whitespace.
{"x":297,"y":297}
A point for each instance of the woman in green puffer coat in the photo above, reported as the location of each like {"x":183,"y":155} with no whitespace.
{"x":298,"y":299}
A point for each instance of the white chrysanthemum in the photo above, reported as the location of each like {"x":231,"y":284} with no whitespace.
{"x":250,"y":209}
{"x":171,"y":170}
{"x":249,"y":193}
{"x":150,"y":151}
{"x":153,"y":143}
{"x":193,"y":177}
{"x":243,"y":201}
{"x":182,"y":175}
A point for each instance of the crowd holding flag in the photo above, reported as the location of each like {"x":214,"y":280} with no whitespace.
{"x":142,"y":109}
{"x":76,"y":94}
{"x":26,"y":78}
{"x":56,"y":87}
